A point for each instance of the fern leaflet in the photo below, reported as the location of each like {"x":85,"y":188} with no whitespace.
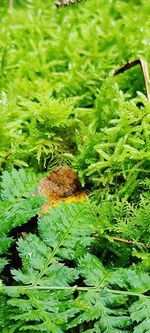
{"x":17,"y":204}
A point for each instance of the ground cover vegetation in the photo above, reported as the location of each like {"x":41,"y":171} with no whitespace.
{"x":82,"y":266}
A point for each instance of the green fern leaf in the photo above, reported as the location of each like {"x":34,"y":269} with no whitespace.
{"x":65,"y":229}
{"x":17,"y":184}
{"x":49,"y":299}
{"x":69,"y":229}
{"x":3,"y":262}
{"x":103,"y":309}
{"x":48,"y":312}
{"x":130,"y":280}
{"x":92,"y":270}
{"x":65,"y":232}
{"x":35,"y":258}
{"x":17,"y":204}
{"x":140,"y":313}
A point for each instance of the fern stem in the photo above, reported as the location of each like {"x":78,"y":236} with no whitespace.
{"x":23,"y":289}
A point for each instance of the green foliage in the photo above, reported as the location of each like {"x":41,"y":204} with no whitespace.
{"x":42,"y":296}
{"x":18,"y":204}
{"x":30,"y":134}
{"x":140,"y":313}
{"x":45,"y":301}
{"x":42,"y":100}
{"x":114,"y":150}
{"x":126,"y":227}
{"x":85,"y":266}
{"x":67,"y":231}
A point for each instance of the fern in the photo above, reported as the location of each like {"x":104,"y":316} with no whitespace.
{"x":140,"y":313}
{"x":114,"y":150}
{"x":30,"y":134}
{"x":48,"y":297}
{"x":85,"y":267}
{"x":66,"y":233}
{"x":126,"y":227}
{"x":17,"y":205}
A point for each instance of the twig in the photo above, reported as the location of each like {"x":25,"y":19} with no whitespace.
{"x":144,"y":67}
{"x":61,"y":3}
{"x":123,"y":240}
{"x":129,"y":241}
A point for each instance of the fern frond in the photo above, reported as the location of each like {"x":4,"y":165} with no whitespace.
{"x":17,"y":204}
{"x":107,"y":311}
{"x":64,"y":232}
{"x":115,"y":153}
{"x":116,"y":320}
{"x":140,"y":313}
{"x":46,"y":301}
{"x":42,"y":312}
{"x":55,"y":308}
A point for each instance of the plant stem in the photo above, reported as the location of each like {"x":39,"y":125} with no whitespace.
{"x":10,"y":4}
{"x":23,"y":289}
{"x":123,"y":240}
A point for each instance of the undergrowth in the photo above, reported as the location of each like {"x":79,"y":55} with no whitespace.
{"x":61,"y":283}
{"x":83,"y":267}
